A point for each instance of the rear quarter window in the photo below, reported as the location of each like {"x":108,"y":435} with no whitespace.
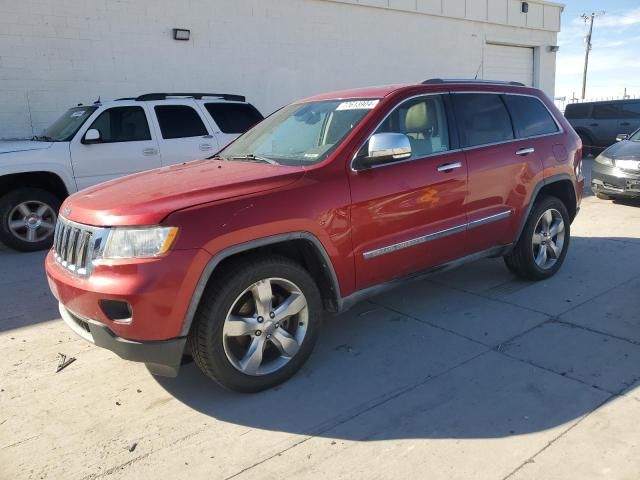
{"x":234,"y":118}
{"x":530,"y":117}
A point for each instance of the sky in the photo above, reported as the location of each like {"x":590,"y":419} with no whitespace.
{"x":614,"y":61}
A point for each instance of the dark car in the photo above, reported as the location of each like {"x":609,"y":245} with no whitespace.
{"x":616,"y":171}
{"x":598,"y":123}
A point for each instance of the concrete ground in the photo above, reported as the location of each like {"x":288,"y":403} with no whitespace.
{"x":472,"y":374}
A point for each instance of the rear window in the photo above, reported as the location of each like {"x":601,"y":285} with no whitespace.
{"x":483,"y":118}
{"x":179,"y":121}
{"x":631,"y":110}
{"x":606,"y":111}
{"x":234,"y":117}
{"x":530,"y":116}
{"x":578,"y":110}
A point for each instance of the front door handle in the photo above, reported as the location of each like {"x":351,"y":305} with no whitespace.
{"x":149,"y":151}
{"x":625,"y":124}
{"x":525,"y":151}
{"x":449,"y":166}
{"x":594,"y":124}
{"x":205,"y":146}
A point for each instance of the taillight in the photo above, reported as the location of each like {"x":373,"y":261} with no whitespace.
{"x":577,"y":161}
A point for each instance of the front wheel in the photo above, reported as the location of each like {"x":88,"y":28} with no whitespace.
{"x":543,"y":244}
{"x":258,"y":323}
{"x":28,"y":219}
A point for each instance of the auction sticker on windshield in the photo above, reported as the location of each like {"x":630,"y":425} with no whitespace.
{"x":358,"y":105}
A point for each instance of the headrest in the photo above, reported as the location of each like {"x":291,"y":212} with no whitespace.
{"x":417,"y":118}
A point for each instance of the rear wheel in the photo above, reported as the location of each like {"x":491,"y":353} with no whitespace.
{"x":28,"y":218}
{"x":257,"y":324}
{"x":543,"y":244}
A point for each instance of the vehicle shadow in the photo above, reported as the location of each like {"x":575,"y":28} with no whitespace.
{"x":380,"y":373}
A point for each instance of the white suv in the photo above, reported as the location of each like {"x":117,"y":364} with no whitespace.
{"x":90,"y":144}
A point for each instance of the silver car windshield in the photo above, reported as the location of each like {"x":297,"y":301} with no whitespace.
{"x":300,"y":134}
{"x":635,"y":137}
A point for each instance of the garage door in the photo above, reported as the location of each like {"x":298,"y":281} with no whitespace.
{"x":503,"y":62}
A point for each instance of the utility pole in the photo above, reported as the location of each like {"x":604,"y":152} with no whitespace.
{"x":590,"y":19}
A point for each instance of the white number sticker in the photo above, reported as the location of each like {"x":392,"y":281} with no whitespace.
{"x":358,"y":105}
{"x":77,"y":114}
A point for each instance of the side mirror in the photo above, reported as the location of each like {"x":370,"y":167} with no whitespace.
{"x":621,"y":137}
{"x":385,"y":148}
{"x":92,"y":136}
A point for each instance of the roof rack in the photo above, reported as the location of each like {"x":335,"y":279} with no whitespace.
{"x":198,"y":96}
{"x":432,"y":81}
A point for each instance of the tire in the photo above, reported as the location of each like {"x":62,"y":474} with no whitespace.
{"x":587,"y":145}
{"x":526,"y":260}
{"x":221,"y":348}
{"x":37,"y":209}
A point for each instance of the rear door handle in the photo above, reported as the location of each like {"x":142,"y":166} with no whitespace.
{"x":449,"y":166}
{"x":149,"y":151}
{"x":205,"y":146}
{"x":594,"y":124}
{"x":625,"y":124}
{"x":525,"y":151}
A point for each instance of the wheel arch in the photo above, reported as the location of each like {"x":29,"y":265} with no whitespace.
{"x":303,"y":247}
{"x":560,"y":186}
{"x":49,"y":181}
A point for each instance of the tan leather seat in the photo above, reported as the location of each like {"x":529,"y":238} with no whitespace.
{"x":417,"y":128}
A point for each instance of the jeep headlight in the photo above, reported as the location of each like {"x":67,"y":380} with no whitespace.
{"x":139,"y":242}
{"x":604,"y":160}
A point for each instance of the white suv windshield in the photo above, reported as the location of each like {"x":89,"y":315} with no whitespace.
{"x":63,"y":129}
{"x":300,"y":134}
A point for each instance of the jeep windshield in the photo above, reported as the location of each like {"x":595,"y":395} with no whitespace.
{"x":63,"y":129}
{"x":300,"y":134}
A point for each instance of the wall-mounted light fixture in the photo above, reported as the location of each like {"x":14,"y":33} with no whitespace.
{"x":525,"y":7}
{"x":553,"y":48}
{"x":181,"y":34}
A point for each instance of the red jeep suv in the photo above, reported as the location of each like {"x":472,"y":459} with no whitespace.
{"x":233,"y":259}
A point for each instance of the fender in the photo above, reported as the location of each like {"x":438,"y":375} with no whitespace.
{"x":534,"y":196}
{"x":251,"y":245}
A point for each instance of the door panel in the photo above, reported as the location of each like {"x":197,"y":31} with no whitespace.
{"x":605,"y":123}
{"x":398,"y":214}
{"x":499,"y":181}
{"x":127,"y":146}
{"x":409,"y":216}
{"x":182,"y":131}
{"x":630,"y":120}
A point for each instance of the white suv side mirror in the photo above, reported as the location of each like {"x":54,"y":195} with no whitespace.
{"x":92,"y":136}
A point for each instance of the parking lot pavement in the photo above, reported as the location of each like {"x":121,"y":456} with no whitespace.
{"x":471,"y":374}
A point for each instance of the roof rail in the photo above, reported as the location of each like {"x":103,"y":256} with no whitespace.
{"x":198,"y":96}
{"x":432,"y":81}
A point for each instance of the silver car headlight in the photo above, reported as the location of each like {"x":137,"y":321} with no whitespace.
{"x":604,"y":160}
{"x":139,"y":242}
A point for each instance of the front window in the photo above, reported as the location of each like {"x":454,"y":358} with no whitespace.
{"x":300,"y":134}
{"x":63,"y":129}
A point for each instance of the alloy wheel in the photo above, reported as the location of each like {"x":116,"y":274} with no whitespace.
{"x":265,"y":326}
{"x":32,"y":221}
{"x":548,"y":239}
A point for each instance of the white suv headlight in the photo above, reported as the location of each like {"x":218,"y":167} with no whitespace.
{"x":139,"y":242}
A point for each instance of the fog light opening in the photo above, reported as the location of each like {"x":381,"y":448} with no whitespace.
{"x":116,"y":310}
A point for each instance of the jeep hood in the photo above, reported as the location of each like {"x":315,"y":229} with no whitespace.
{"x":147,"y":198}
{"x":9,"y":146}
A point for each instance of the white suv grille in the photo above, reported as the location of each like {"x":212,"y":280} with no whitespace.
{"x":75,"y":245}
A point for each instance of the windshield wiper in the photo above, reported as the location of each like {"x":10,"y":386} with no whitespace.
{"x":42,"y":138}
{"x":255,"y":158}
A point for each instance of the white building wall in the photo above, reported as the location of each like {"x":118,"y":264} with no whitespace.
{"x":57,"y":53}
